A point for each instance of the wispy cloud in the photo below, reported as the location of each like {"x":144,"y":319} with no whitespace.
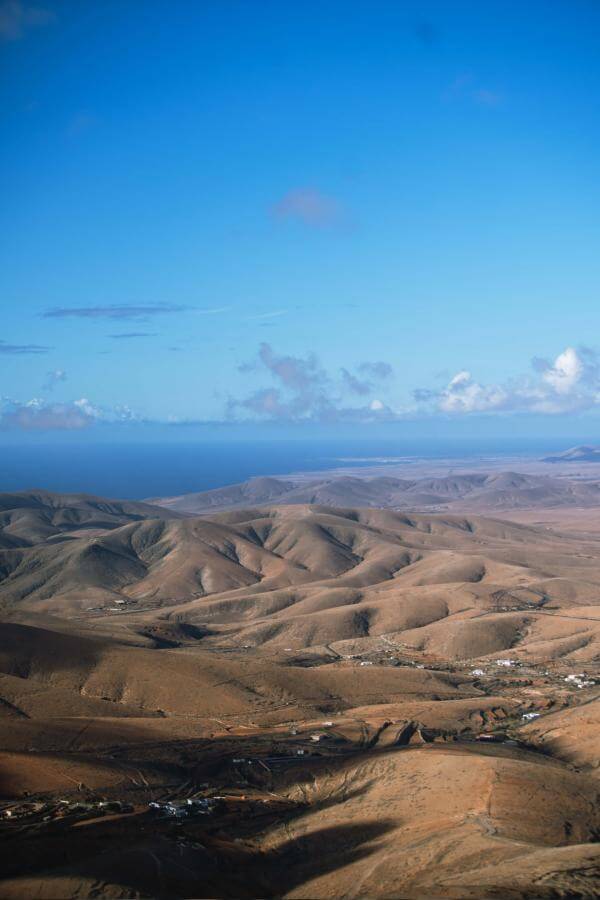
{"x":467,"y":87}
{"x":378,"y":369}
{"x":17,"y":18}
{"x":374,"y":371}
{"x":209,"y":310}
{"x":18,"y":349}
{"x":570,"y":383}
{"x":131,"y":335}
{"x":276,"y":314}
{"x":485,"y":97}
{"x":114,"y":311}
{"x":308,"y":206}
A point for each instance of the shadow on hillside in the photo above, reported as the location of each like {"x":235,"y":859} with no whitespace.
{"x":264,"y":852}
{"x":160,"y":866}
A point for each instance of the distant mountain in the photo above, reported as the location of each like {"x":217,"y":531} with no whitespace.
{"x":476,"y":492}
{"x":583,"y":453}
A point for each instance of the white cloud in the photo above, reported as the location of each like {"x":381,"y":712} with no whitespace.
{"x":568,"y":384}
{"x":465,"y":395}
{"x":566,"y":372}
{"x":87,"y":408}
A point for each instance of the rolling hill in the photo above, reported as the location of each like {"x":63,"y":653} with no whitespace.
{"x":372,"y":702}
{"x":474,"y":492}
{"x":29,"y":517}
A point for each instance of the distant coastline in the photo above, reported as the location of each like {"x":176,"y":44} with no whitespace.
{"x":138,"y":471}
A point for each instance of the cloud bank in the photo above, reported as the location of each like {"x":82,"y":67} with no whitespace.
{"x":43,"y":415}
{"x":298,"y":389}
{"x":302,"y":391}
{"x":568,"y":384}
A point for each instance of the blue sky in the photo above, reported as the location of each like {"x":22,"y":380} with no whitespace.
{"x":329,"y":213}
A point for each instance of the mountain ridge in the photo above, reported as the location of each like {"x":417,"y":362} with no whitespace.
{"x":580,"y":453}
{"x":474,"y":491}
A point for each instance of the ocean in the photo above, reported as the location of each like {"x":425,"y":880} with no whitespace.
{"x":137,"y":471}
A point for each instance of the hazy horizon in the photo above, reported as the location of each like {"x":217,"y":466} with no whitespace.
{"x":151,"y":469}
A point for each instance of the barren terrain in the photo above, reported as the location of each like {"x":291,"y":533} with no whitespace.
{"x":485,"y":492}
{"x":316,"y":699}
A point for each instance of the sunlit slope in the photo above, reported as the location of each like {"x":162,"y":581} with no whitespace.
{"x":28,"y":518}
{"x":300,"y":576}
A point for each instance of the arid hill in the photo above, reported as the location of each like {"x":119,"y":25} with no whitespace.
{"x":30,"y":517}
{"x":583,"y":453}
{"x":357,"y":702}
{"x":483,"y":492}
